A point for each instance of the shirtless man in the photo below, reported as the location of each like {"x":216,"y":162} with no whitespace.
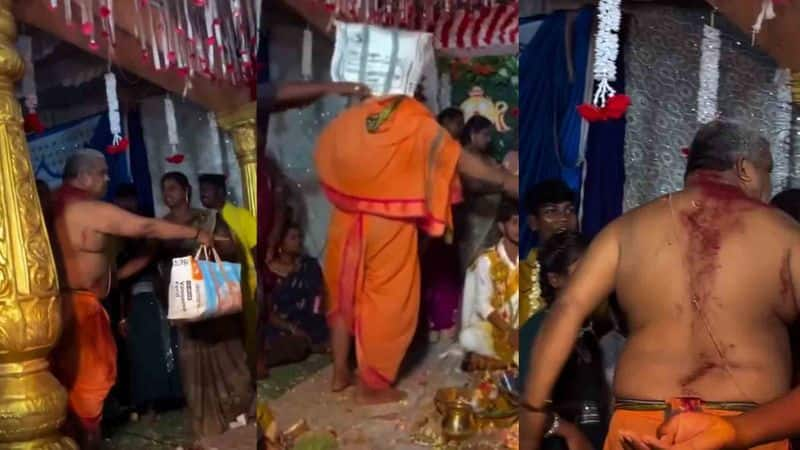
{"x":706,"y":279}
{"x":85,"y":359}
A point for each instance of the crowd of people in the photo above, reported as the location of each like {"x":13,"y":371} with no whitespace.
{"x":311,"y":309}
{"x":115,"y":267}
{"x":680,"y":337}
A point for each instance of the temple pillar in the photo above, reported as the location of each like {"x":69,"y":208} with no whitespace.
{"x":32,"y":403}
{"x":241,"y":125}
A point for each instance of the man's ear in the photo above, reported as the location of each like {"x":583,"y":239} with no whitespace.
{"x":744,"y":169}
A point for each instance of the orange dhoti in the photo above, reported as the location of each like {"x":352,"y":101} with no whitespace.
{"x":387,"y":295}
{"x":645,"y":417}
{"x":85,"y":360}
{"x":389,"y":169}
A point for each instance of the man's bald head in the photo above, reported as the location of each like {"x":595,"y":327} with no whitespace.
{"x":87,"y":169}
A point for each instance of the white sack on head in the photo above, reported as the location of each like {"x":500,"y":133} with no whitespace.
{"x":389,"y":61}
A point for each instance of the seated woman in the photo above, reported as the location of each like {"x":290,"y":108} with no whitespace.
{"x":581,"y":395}
{"x":293,"y":319}
{"x":298,"y":290}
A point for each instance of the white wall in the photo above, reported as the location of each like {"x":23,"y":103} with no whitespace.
{"x":293,"y":134}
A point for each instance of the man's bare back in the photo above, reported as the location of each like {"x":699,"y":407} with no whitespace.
{"x":705,"y":283}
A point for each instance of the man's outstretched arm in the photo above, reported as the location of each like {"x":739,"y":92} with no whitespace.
{"x":110,"y":219}
{"x":592,"y":282}
{"x":476,"y":168}
{"x":299,"y":94}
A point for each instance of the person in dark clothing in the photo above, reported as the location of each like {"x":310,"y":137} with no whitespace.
{"x":580,"y":397}
{"x":150,"y":346}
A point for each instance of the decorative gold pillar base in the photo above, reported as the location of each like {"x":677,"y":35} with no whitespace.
{"x":241,"y":124}
{"x":32,"y":403}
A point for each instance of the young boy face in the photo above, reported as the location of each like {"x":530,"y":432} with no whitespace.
{"x":552,"y":218}
{"x":510,"y":229}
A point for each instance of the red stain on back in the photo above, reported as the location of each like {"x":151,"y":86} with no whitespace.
{"x":709,"y":220}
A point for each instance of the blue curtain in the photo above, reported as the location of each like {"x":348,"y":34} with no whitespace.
{"x":550,"y":127}
{"x":140,"y":167}
{"x":605,"y":166}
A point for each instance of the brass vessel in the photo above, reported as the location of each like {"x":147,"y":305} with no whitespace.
{"x":459,"y":422}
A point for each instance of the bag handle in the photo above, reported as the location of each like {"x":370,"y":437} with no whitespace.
{"x":219,"y":264}
{"x":202,"y":249}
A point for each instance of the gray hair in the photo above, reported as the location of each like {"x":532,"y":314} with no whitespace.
{"x":720,"y":144}
{"x":81,"y":161}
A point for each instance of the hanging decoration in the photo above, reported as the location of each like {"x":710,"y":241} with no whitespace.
{"x":456,"y":24}
{"x":32,"y":123}
{"x":306,"y":70}
{"x":118,"y":143}
{"x":172,"y":132}
{"x":214,"y":39}
{"x":709,"y":74}
{"x":606,"y":103}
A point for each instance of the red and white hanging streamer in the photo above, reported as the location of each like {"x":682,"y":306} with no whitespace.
{"x":214,"y":39}
{"x":456,"y":24}
{"x":172,"y":132}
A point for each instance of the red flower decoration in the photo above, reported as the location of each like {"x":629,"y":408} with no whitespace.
{"x":119,"y":148}
{"x":617,"y":105}
{"x":615,"y":108}
{"x":177,"y":158}
{"x":87,"y":28}
{"x":32,"y":124}
{"x":105,"y":11}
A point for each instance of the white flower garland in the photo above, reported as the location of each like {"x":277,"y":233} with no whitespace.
{"x":172,"y":125}
{"x":306,"y":70}
{"x":606,"y":49}
{"x":25,"y":49}
{"x":113,"y":107}
{"x":709,"y":75}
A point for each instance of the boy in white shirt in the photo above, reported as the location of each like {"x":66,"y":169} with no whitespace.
{"x":490,"y":307}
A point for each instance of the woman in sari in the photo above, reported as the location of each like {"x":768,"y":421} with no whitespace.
{"x":295,"y":280}
{"x":481,"y":202}
{"x":216,"y":380}
{"x":292,"y":321}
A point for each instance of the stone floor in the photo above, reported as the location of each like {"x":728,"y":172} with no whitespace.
{"x":358,"y":427}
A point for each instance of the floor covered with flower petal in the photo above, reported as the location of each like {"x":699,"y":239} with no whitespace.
{"x":370,"y":427}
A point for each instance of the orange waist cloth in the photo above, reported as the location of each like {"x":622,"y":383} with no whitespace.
{"x":377,"y":283}
{"x":85,"y":360}
{"x":646,"y":423}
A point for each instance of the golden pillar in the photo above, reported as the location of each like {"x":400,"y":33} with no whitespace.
{"x":32,"y":403}
{"x":796,"y":88}
{"x":241,"y":125}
